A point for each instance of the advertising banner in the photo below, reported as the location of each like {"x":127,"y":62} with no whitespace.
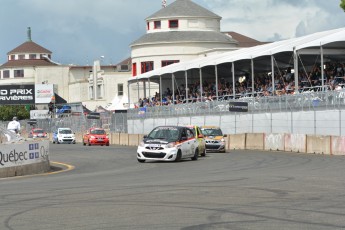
{"x":39,"y":114}
{"x":44,"y":93}
{"x":17,"y":94}
{"x":238,"y":106}
{"x":24,"y":153}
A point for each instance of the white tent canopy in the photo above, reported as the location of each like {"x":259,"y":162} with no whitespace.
{"x":309,"y":41}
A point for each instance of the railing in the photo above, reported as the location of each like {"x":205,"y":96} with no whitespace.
{"x":305,"y":101}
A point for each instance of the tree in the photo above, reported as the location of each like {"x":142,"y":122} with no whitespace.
{"x":342,"y":4}
{"x":7,"y":112}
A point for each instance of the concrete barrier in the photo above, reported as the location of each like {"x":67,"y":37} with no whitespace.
{"x":275,"y":141}
{"x":133,"y":139}
{"x":319,"y":144}
{"x":337,"y":145}
{"x":24,"y":158}
{"x":79,"y":137}
{"x":255,"y":141}
{"x":123,"y":139}
{"x":296,"y":143}
{"x":115,"y":138}
{"x":237,"y":141}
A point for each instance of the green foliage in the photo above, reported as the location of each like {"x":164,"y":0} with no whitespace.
{"x":342,"y":4}
{"x":7,"y":112}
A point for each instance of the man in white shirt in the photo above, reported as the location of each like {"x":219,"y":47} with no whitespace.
{"x":14,"y":125}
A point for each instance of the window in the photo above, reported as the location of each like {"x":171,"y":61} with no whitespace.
{"x":169,"y":62}
{"x":146,"y":66}
{"x":134,"y":69}
{"x":18,"y":73}
{"x":21,"y":56}
{"x":32,"y":56}
{"x":99,"y":91}
{"x":157,"y":24}
{"x":13,"y":57}
{"x":173,"y":23}
{"x":91,"y":92}
{"x":6,"y":74}
{"x":148,"y":25}
{"x":119,"y":89}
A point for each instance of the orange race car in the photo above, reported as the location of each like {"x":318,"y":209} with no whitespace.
{"x":96,"y":136}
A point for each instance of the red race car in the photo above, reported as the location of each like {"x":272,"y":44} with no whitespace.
{"x":37,"y":133}
{"x":96,"y":136}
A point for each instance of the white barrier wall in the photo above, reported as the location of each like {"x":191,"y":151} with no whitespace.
{"x":329,"y":122}
{"x":23,"y":154}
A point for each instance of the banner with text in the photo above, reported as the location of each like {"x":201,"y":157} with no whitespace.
{"x":17,"y":94}
{"x":24,"y":153}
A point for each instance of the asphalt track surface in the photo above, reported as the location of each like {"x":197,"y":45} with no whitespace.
{"x":109,"y":189}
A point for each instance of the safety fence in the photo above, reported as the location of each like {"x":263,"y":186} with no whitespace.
{"x":112,"y":122}
{"x":307,"y":101}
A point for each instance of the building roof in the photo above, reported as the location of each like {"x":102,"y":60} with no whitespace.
{"x":184,"y":36}
{"x":29,"y":47}
{"x":244,"y":41}
{"x":183,"y":8}
{"x":27,"y":63}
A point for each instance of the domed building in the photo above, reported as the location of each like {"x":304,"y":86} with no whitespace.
{"x":179,"y":32}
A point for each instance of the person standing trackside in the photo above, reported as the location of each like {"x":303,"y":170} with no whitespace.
{"x":14,"y":125}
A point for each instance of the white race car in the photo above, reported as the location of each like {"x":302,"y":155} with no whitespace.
{"x":168,"y":143}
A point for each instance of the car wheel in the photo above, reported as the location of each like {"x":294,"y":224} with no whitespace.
{"x":84,"y":143}
{"x":141,"y":161}
{"x":89,"y":142}
{"x":196,"y":154}
{"x":107,"y":144}
{"x":203,"y":154}
{"x":53,"y":142}
{"x":178,"y":156}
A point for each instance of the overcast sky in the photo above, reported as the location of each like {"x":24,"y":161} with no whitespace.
{"x":81,"y":31}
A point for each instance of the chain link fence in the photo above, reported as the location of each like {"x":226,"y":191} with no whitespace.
{"x":300,"y":102}
{"x":112,"y":122}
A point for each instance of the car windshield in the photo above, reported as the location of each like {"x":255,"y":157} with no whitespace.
{"x":97,"y":131}
{"x":211,"y":132}
{"x":38,"y":131}
{"x":169,"y":134}
{"x":65,"y":131}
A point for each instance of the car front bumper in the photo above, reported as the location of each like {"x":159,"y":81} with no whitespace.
{"x":157,"y":155}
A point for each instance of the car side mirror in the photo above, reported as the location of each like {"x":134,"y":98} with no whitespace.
{"x":200,"y":136}
{"x":145,"y":136}
{"x":225,"y":135}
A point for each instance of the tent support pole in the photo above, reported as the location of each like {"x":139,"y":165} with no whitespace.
{"x":252,"y":67}
{"x":272,"y":74}
{"x":186,"y":86}
{"x":216,"y":74}
{"x":295,"y":57}
{"x":201,"y":89}
{"x":233,"y":79}
{"x":173,"y":87}
{"x":322,"y":69}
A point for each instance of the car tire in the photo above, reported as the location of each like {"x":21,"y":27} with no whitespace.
{"x":107,"y":144}
{"x":89,"y":143}
{"x":178,"y":156}
{"x":141,"y":160}
{"x":196,"y":154}
{"x":203,"y":154}
{"x":84,"y":143}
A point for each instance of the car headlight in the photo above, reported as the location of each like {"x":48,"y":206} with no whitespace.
{"x":171,"y":145}
{"x":142,"y":144}
{"x":92,"y":137}
{"x":222,"y":140}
